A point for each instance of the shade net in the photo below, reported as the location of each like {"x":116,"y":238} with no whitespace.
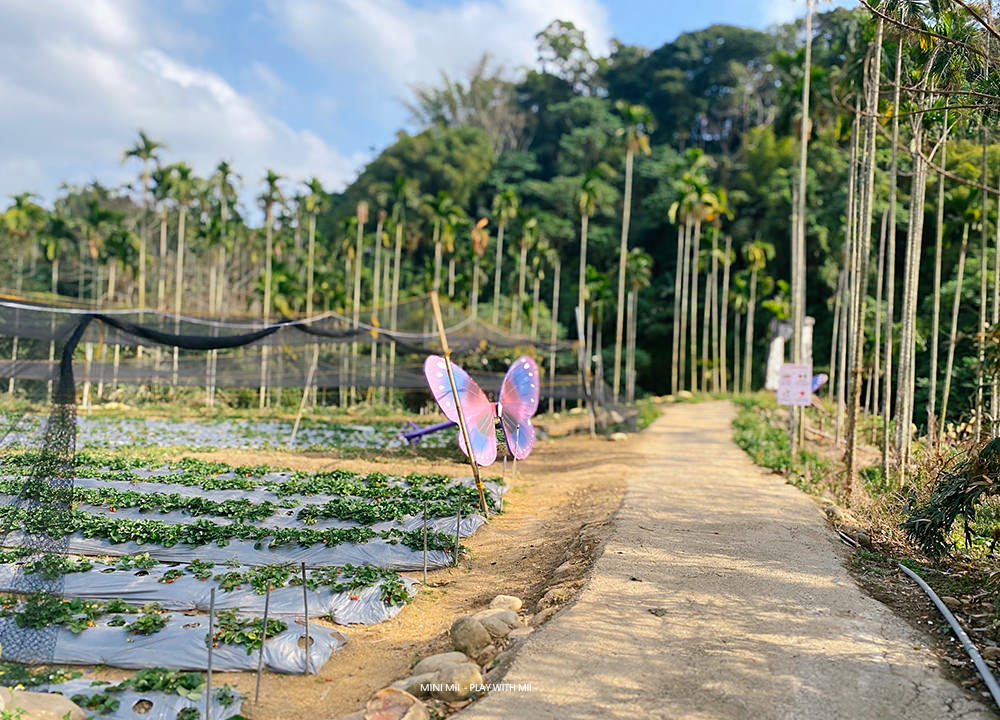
{"x":385,"y":348}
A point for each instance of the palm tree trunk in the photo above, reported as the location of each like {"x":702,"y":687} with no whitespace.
{"x":451,"y":276}
{"x":936,"y":312}
{"x":553,"y":330}
{"x":394,"y":315}
{"x":876,"y":375}
{"x":499,"y":270}
{"x":748,"y":347}
{"x":995,"y":381}
{"x":983,"y":269}
{"x":622,"y":259}
{"x":695,"y":243}
{"x":161,"y":282}
{"x":799,"y":234}
{"x":706,"y":321}
{"x":906,"y":371}
{"x":266,"y":310}
{"x":737,"y":366}
{"x":864,"y":246}
{"x":835,"y":339}
{"x":724,"y":319}
{"x":310,"y":292}
{"x":359,"y":248}
{"x":376,"y":302}
{"x":474,"y":294}
{"x":581,"y":290}
{"x":714,"y":283}
{"x":437,"y":255}
{"x":178,"y":284}
{"x":953,"y":334}
{"x":678,"y":290}
{"x":890,"y":268}
{"x":684,"y":283}
{"x":521,"y":280}
{"x":535,"y":299}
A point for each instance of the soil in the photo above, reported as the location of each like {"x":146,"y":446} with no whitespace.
{"x":556,"y":513}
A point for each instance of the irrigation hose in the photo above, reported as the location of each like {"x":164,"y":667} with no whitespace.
{"x":970,"y":648}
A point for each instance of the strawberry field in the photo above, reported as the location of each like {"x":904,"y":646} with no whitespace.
{"x":148,"y":546}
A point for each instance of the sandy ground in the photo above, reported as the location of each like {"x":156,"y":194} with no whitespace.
{"x":721,"y":593}
{"x":557,"y":510}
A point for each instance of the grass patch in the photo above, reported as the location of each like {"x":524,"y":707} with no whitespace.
{"x":765,"y":440}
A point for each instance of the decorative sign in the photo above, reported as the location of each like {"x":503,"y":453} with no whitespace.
{"x":795,"y":385}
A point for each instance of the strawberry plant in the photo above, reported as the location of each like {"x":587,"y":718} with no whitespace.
{"x":100,"y":703}
{"x":234,"y":629}
{"x":147,"y":624}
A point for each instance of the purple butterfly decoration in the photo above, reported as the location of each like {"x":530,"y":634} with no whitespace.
{"x":518,"y":402}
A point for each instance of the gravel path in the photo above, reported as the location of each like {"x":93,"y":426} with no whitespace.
{"x":754,"y":616}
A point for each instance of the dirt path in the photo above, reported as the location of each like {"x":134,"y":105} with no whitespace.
{"x":556,"y":514}
{"x":721,"y":593}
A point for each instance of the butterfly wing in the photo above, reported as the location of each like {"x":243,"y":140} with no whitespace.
{"x":819,"y":381}
{"x":476,"y":407}
{"x":518,"y":402}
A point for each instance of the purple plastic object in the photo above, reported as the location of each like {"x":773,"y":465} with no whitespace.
{"x":414,"y":435}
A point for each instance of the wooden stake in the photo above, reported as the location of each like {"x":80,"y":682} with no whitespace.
{"x":211,"y":644}
{"x":263,"y":639}
{"x":458,"y":529}
{"x":305,"y":608}
{"x":436,"y":305}
{"x":425,"y":542}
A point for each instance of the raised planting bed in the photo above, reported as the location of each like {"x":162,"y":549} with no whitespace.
{"x":348,"y":595}
{"x":214,"y":512}
{"x":123,"y":432}
{"x":118,"y":634}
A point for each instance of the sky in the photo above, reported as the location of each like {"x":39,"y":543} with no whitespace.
{"x":304,"y":87}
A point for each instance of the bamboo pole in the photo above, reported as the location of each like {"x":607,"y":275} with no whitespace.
{"x":436,"y":306}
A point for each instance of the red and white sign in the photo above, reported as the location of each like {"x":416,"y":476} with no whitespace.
{"x":795,"y":385}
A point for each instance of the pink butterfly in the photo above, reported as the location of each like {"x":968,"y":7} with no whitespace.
{"x":518,"y":402}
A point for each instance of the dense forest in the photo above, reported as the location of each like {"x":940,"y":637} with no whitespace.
{"x":517,"y":189}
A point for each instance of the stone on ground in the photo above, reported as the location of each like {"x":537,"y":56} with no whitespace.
{"x":39,"y":706}
{"x":469,"y":636}
{"x":457,"y":681}
{"x":395,"y":704}
{"x":433,"y":663}
{"x":506,"y":602}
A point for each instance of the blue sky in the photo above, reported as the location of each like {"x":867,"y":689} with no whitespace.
{"x":306,"y":87}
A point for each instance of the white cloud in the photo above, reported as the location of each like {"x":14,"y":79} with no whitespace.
{"x":782,"y":11}
{"x":393,"y":44}
{"x":78,"y":80}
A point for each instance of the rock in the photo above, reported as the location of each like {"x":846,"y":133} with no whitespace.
{"x":469,"y":636}
{"x":953,"y":603}
{"x":617,"y":437}
{"x":543,"y":616}
{"x":359,"y":715}
{"x":394,"y":704}
{"x":519,"y":633}
{"x":486,"y":656}
{"x":498,"y":622}
{"x":433,"y":663}
{"x":577,"y":411}
{"x":44,"y":706}
{"x":415,"y":684}
{"x":615,"y":417}
{"x":457,"y":681}
{"x":506,"y":602}
{"x":863,"y":539}
{"x":684,"y":395}
{"x":555,"y":596}
{"x":991,"y":652}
